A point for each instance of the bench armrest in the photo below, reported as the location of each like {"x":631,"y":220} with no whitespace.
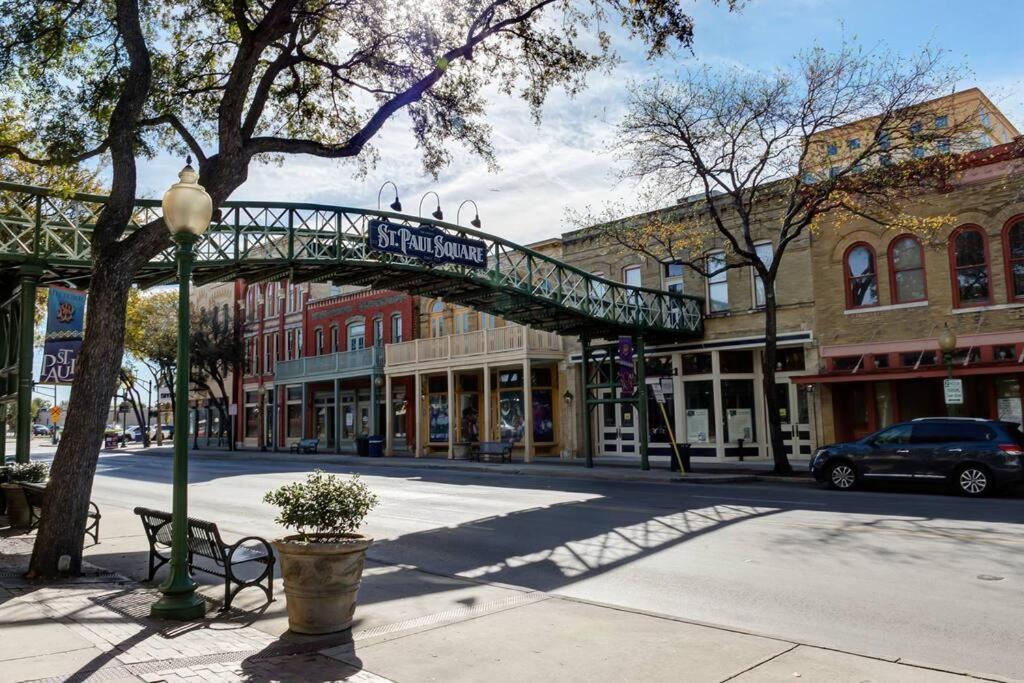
{"x":234,"y":547}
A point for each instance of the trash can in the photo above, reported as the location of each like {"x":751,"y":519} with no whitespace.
{"x":362,"y":446}
{"x":684,"y":455}
{"x":376,"y":446}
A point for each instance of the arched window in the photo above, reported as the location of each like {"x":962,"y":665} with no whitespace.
{"x":861,"y":277}
{"x":356,"y":335}
{"x":1013,"y":248}
{"x":437,"y":319}
{"x":906,"y":260}
{"x":969,"y":259}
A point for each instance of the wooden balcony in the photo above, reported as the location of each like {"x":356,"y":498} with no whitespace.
{"x":500,"y":343}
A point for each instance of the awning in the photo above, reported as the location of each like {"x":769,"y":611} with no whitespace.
{"x":931,"y":372}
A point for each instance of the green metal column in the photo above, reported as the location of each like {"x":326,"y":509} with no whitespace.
{"x":3,"y":434}
{"x":180,"y":600}
{"x":588,"y":446}
{"x":641,"y":405}
{"x":26,"y":329}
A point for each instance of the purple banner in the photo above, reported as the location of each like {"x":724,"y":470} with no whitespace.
{"x":65,"y":317}
{"x":627,"y":375}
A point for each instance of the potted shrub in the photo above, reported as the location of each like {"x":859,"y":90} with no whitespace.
{"x":17,"y":504}
{"x":322,"y":564}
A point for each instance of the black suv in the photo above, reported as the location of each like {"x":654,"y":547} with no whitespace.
{"x":972,"y":454}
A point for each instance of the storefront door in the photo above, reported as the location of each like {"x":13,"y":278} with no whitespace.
{"x":795,"y":418}
{"x":618,"y":428}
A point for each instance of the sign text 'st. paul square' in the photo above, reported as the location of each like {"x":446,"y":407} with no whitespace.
{"x":427,"y":244}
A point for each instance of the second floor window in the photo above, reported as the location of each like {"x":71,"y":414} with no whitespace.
{"x":268,"y":358}
{"x":461,"y":318}
{"x":674,"y":277}
{"x":437,"y":319}
{"x":970,"y":263}
{"x":334,"y":339}
{"x":356,"y":336}
{"x":1015,"y":259}
{"x":378,"y":331}
{"x":318,"y":341}
{"x":396,"y":328}
{"x":487,"y":321}
{"x":718,"y":282}
{"x":861,"y":277}
{"x":765,"y":253}
{"x":908,"y":280}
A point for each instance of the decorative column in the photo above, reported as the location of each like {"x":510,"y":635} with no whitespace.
{"x":641,"y":404}
{"x":588,"y":445}
{"x":389,"y":422}
{"x":527,"y":410}
{"x":26,"y":327}
{"x":302,"y":428}
{"x":486,"y":434}
{"x":374,"y":426}
{"x":418,"y":422}
{"x":337,"y":415}
{"x":452,"y":410}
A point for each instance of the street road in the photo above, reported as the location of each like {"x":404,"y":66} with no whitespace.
{"x":925,"y":577}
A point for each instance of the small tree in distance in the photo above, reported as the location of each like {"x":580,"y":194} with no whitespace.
{"x":763,"y":160}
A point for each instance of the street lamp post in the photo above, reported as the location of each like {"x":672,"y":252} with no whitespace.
{"x":947,"y":343}
{"x":187,"y":212}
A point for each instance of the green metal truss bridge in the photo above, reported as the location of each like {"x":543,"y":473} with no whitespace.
{"x":262,"y":241}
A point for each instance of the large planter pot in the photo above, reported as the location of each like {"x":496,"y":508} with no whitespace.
{"x":321,"y":580}
{"x":17,"y":506}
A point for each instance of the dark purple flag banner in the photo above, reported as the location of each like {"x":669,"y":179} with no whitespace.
{"x":65,"y":317}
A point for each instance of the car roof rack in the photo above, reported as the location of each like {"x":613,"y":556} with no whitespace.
{"x":953,"y":419}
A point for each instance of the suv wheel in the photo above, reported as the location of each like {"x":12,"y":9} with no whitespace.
{"x":973,"y":480}
{"x":841,"y":476}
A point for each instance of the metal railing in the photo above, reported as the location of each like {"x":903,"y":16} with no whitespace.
{"x":42,"y":226}
{"x":343,"y":363}
{"x":454,"y":346}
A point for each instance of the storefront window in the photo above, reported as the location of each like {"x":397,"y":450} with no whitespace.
{"x":294,"y":413}
{"x":738,"y":404}
{"x":700,"y":411}
{"x":789,"y":360}
{"x":439,"y":418}
{"x":658,"y":430}
{"x":511,"y":415}
{"x":543,"y":416}
{"x":401,"y":415}
{"x":883,"y":404}
{"x":251,"y":415}
{"x":469,"y":417}
{"x":348,"y":416}
{"x":1008,"y":400}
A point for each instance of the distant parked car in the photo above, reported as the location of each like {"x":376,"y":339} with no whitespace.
{"x":168,"y":431}
{"x":134,"y":433}
{"x":40,"y":430}
{"x":974,"y":455}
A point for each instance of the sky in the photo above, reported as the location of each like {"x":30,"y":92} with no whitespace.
{"x":563,"y":165}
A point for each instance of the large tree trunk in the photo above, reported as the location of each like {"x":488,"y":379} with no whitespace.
{"x":62,"y":528}
{"x":776,"y":437}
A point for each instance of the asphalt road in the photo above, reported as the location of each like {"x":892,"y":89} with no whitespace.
{"x":924,"y":577}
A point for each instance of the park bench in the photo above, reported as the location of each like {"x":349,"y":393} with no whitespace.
{"x":305,"y":446}
{"x":35,"y":496}
{"x":503,"y":449}
{"x":204,"y":541}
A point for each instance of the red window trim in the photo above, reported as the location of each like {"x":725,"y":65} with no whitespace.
{"x":847,"y":276}
{"x":1008,"y":260}
{"x":893,"y":289}
{"x":951,"y":247}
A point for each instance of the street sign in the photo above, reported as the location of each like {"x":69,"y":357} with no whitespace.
{"x":54,"y":414}
{"x":954,"y":391}
{"x":660,"y":386}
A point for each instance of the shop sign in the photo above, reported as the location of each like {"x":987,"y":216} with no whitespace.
{"x":697,"y":425}
{"x":954,"y":391}
{"x":741,"y":424}
{"x":426,"y":243}
{"x":65,"y":317}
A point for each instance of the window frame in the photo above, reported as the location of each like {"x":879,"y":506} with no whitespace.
{"x":893,"y":289}
{"x":710,"y":281}
{"x":397,"y":337}
{"x":755,"y":278}
{"x":954,"y":283}
{"x":848,"y":276}
{"x":1008,"y":259}
{"x":349,"y":326}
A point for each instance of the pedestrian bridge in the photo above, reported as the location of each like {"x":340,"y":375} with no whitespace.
{"x":261,"y":241}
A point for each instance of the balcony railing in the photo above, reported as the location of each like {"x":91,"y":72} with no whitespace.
{"x":345,"y":363}
{"x":481,"y":342}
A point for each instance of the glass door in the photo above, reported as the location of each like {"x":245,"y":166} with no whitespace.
{"x":795,"y":419}
{"x":618,"y":427}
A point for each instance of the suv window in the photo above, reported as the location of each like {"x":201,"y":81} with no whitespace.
{"x":949,"y":432}
{"x":897,"y":434}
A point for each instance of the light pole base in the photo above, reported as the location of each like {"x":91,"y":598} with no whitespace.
{"x":183,"y":607}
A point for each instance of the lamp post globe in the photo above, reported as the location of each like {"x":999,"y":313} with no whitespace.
{"x":187,"y":211}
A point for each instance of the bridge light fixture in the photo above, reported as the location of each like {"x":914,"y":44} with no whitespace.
{"x":476,"y":219}
{"x":396,"y":205}
{"x":436,"y":213}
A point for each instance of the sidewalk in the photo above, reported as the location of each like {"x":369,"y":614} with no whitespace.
{"x":605,"y":470}
{"x":411,"y":626}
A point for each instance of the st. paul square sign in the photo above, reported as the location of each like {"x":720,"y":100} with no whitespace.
{"x":426,"y":243}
